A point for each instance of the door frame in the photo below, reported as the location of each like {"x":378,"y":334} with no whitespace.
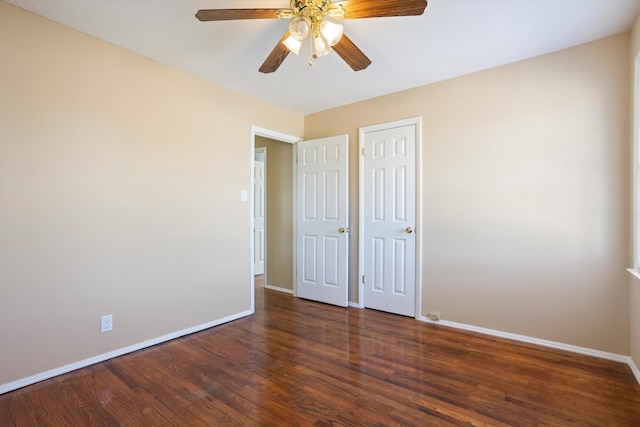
{"x":417,"y":123}
{"x":282,"y":137}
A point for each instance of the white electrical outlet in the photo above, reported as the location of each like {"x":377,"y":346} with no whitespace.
{"x":106,"y":323}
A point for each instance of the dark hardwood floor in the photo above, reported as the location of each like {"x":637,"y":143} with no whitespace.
{"x":300,"y":363}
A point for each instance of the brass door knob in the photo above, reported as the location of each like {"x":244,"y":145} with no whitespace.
{"x":341,"y":230}
{"x":409,"y":230}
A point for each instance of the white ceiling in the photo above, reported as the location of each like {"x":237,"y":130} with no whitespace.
{"x":452,"y":38}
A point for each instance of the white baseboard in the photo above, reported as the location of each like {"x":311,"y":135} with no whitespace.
{"x":355,"y":305}
{"x":275,"y":288}
{"x":546,"y":343}
{"x":4,"y":388}
{"x":634,"y":369}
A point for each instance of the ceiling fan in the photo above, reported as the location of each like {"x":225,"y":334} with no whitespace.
{"x":309,"y":18}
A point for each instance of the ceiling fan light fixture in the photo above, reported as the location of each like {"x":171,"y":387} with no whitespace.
{"x":320,"y":47}
{"x":331,"y":32}
{"x":293,"y":44}
{"x":299,"y":27}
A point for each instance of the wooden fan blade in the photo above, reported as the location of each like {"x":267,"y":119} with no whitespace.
{"x":380,"y":8}
{"x":233,"y":14}
{"x":351,"y":54}
{"x":276,"y":57}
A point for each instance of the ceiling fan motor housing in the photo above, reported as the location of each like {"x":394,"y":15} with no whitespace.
{"x":310,"y":7}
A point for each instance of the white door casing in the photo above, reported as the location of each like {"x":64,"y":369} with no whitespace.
{"x":388,"y":217}
{"x":322,"y":236}
{"x":259,"y":217}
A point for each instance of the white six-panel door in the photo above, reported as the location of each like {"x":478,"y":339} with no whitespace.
{"x":322,"y":220}
{"x":258,"y":217}
{"x":389,"y":219}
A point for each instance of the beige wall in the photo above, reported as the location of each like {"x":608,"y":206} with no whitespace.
{"x":120,"y":183}
{"x":525,"y":193}
{"x":279,"y":269}
{"x":634,"y":283}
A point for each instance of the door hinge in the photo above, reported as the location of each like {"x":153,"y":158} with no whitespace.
{"x":363,"y":151}
{"x":363,"y":279}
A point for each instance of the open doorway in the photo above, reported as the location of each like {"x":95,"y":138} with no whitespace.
{"x":279,"y":202}
{"x":311,"y":239}
{"x":278,"y":217}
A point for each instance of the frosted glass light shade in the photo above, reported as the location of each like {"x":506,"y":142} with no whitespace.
{"x":292,"y":44}
{"x":331,"y":32}
{"x":320,"y":47}
{"x":299,"y":27}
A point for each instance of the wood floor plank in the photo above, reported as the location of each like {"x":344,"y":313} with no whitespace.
{"x":300,"y":363}
{"x":16,"y":411}
{"x":91,"y":414}
{"x":185,"y":399}
{"x":50,"y":409}
{"x":237,"y":387}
